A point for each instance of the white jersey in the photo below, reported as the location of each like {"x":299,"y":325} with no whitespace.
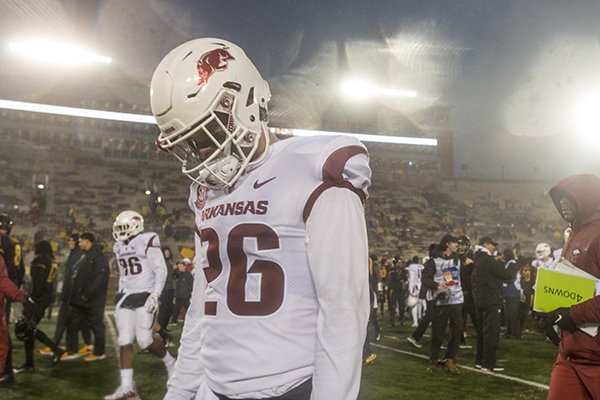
{"x":259,"y":332}
{"x":539,"y":263}
{"x":141,"y":267}
{"x":414,"y":278}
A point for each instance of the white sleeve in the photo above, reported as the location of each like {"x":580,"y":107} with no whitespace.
{"x":156,"y":258}
{"x":188,"y":381}
{"x":338,"y":252}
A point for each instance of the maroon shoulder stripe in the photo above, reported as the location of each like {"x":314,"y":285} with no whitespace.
{"x":333,"y":169}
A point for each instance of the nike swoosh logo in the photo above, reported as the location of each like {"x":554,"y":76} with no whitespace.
{"x":558,"y":319}
{"x":259,"y":184}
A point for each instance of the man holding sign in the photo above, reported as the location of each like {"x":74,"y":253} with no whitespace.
{"x":577,"y":367}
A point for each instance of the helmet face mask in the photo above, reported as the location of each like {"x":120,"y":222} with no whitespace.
{"x":210,"y":104}
{"x":127,"y":224}
{"x":543,"y":250}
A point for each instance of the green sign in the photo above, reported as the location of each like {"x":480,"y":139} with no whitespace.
{"x":555,"y":289}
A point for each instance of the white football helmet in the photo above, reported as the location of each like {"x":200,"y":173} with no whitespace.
{"x":127,"y":224}
{"x":210,"y":103}
{"x":543,"y":250}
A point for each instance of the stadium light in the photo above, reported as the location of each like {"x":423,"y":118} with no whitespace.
{"x":363,"y":137}
{"x":587,"y":118}
{"x":359,"y":89}
{"x":57,"y":53}
{"x":149,"y":119}
{"x":76,"y":112}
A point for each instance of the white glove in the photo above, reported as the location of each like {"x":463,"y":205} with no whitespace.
{"x":152,"y":303}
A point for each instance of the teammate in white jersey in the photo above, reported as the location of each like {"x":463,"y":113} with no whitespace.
{"x":282,"y":307}
{"x":543,"y":254}
{"x":417,"y":306}
{"x":143,"y":272}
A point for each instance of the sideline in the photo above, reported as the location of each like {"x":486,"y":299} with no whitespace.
{"x":472,"y":369}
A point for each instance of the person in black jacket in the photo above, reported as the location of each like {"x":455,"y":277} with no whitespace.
{"x":488,"y":277}
{"x":88,"y":296}
{"x":184,"y":281}
{"x":166,"y":299}
{"x":43,"y":272}
{"x":65,"y":297}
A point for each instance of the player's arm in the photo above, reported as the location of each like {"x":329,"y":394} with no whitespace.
{"x":188,"y":380}
{"x":159,"y":267}
{"x":7,"y":287}
{"x":337,"y":247}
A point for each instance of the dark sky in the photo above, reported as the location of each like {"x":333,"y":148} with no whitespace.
{"x":510,"y":71}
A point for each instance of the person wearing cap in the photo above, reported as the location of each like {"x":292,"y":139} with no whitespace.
{"x":184,"y":281}
{"x":441,"y":276}
{"x":488,"y":278}
{"x":577,"y":367}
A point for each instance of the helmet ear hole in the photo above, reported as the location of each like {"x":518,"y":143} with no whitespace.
{"x":250,"y":99}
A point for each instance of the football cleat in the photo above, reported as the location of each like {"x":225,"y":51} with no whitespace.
{"x":68,"y":356}
{"x":414,"y":342}
{"x":85,"y":350}
{"x":46,"y":351}
{"x":94,"y":357}
{"x":371,"y":359}
{"x":121,"y":394}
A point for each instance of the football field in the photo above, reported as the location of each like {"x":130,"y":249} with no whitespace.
{"x":398,"y":372}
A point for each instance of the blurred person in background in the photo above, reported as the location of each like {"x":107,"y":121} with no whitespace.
{"x":8,"y":254}
{"x":489,"y":275}
{"x":441,"y":276}
{"x":167,"y":297}
{"x":62,"y":320}
{"x":142,"y":275}
{"x":184,"y":282}
{"x":397,"y":292}
{"x":43,"y":272}
{"x":577,"y":368}
{"x":426,"y":295}
{"x":465,"y":254}
{"x":415,"y":271}
{"x":8,"y":290}
{"x":512,"y":299}
{"x":88,"y":296}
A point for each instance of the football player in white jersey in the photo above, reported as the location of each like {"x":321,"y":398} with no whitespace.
{"x":143,"y":272}
{"x":417,"y":306}
{"x":543,"y":256}
{"x":275,"y":222}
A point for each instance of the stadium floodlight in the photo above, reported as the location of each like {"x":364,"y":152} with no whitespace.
{"x":360,"y":89}
{"x":149,"y":119}
{"x":587,"y":118}
{"x":41,"y":186}
{"x":58,"y":53}
{"x":76,"y":112}
{"x":363,"y":137}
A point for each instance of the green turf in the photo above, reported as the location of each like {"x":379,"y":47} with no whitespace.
{"x":392,"y":376}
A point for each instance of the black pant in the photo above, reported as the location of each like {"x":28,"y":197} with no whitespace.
{"x":63,"y":320}
{"x":301,"y":392}
{"x":443,"y":314}
{"x":179,"y":304}
{"x":424,"y":322}
{"x":39,"y":335}
{"x":166,"y":308}
{"x":397,"y":299}
{"x":468,"y":310}
{"x":488,"y":335}
{"x":513,"y":320}
{"x":95,"y":319}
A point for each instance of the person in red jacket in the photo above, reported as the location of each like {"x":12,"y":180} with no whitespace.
{"x":577,"y":367}
{"x":7,"y":289}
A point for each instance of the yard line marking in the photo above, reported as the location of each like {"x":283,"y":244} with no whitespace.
{"x":495,"y":374}
{"x":113,"y":332}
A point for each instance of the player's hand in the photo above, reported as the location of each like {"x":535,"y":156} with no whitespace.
{"x":152,"y":303}
{"x":561,"y":317}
